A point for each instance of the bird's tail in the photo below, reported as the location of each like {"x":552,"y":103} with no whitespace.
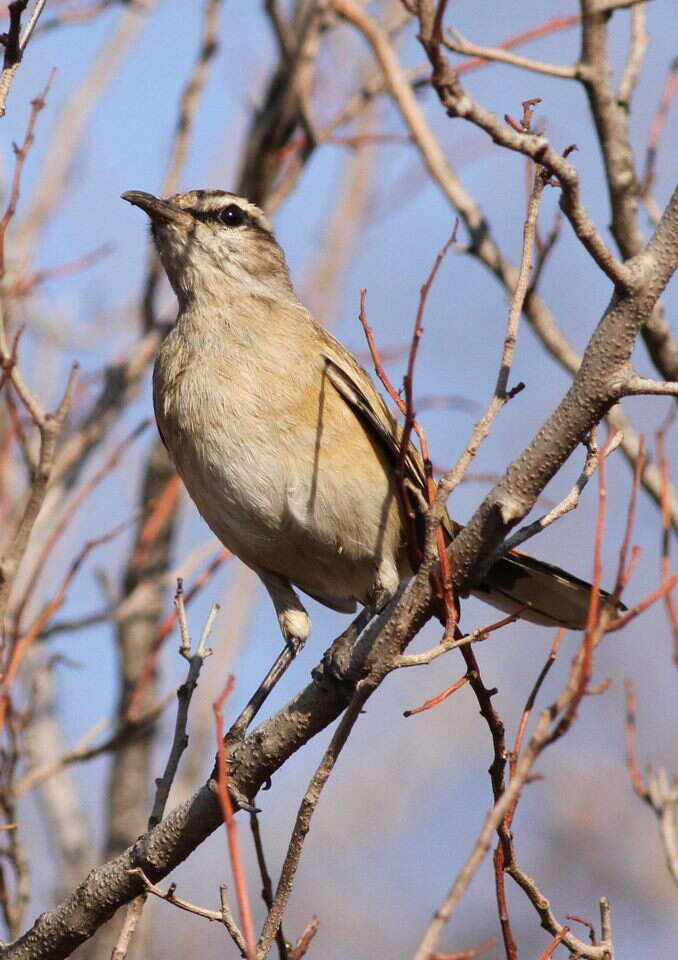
{"x":555,"y":597}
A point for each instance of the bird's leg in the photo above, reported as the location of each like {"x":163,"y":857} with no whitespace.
{"x":256,"y":701}
{"x":295,"y":623}
{"x":296,"y":626}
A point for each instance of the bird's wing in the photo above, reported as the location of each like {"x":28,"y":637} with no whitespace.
{"x":157,"y":421}
{"x":553,"y":596}
{"x":355,"y":386}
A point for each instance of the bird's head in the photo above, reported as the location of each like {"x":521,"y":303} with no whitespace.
{"x":214,"y":245}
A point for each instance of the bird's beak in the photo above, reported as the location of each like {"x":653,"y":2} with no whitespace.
{"x":157,"y":209}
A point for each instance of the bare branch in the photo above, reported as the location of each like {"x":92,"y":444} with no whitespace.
{"x":569,"y":502}
{"x":170,"y":897}
{"x":452,"y":642}
{"x":21,"y":153}
{"x":657,"y":794}
{"x":637,"y":51}
{"x":501,"y":394}
{"x":83,"y":751}
{"x":482,"y":244}
{"x":228,"y":814}
{"x":458,"y":44}
{"x":458,"y":103}
{"x":304,"y":815}
{"x":15,"y":44}
{"x":49,"y":426}
{"x":185,"y":692}
{"x":637,"y":386}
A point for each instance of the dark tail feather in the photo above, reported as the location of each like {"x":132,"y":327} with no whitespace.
{"x":556,"y":598}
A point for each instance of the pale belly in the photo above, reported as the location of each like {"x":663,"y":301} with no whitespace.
{"x":311,"y":503}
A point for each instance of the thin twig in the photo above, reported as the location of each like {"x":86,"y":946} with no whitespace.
{"x":466,"y":954}
{"x":303,"y":820}
{"x":304,"y":941}
{"x":438,"y":699}
{"x":501,"y":395}
{"x":170,"y":897}
{"x":657,"y":130}
{"x":226,"y":804}
{"x":670,"y":606}
{"x":195,"y":659}
{"x":657,"y":794}
{"x":266,"y":883}
{"x":452,"y":642}
{"x":458,"y":44}
{"x":553,"y":723}
{"x":636,"y":55}
{"x":21,"y":153}
{"x":569,"y":502}
{"x":82,"y":752}
{"x":46,"y":548}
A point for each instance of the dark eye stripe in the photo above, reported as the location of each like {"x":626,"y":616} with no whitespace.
{"x":207,"y":216}
{"x":216,"y":216}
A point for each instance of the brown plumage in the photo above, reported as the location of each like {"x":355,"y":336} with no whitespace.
{"x":281,"y":438}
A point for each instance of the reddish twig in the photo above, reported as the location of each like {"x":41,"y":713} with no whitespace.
{"x":499,"y":863}
{"x":377,"y":356}
{"x":304,"y":941}
{"x":543,"y":30}
{"x":417,"y":333}
{"x":21,"y":153}
{"x":639,"y":608}
{"x":671,"y":611}
{"x":444,"y":589}
{"x":226,"y":804}
{"x":502,"y":852}
{"x":156,"y":520}
{"x":21,"y":646}
{"x":657,"y":127}
{"x":428,"y":704}
{"x":585,"y":923}
{"x":466,"y":954}
{"x":623,"y":572}
{"x":82,"y":494}
{"x":559,"y":937}
{"x":529,"y":706}
{"x":165,"y":630}
{"x":602,"y":687}
{"x":637,"y":781}
{"x":406,"y":408}
{"x":25,"y":285}
{"x":593,"y":629}
{"x":525,"y":123}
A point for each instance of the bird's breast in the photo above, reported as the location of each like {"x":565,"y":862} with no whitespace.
{"x":278,"y":466}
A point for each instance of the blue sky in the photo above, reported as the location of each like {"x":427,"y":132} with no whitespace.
{"x":414,"y":813}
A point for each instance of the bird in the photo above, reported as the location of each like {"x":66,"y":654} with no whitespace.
{"x":280,"y":436}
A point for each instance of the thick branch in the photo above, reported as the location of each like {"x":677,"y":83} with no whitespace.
{"x":482,"y":245}
{"x":597,"y":385}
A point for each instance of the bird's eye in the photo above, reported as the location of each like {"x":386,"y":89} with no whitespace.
{"x":232,"y":215}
